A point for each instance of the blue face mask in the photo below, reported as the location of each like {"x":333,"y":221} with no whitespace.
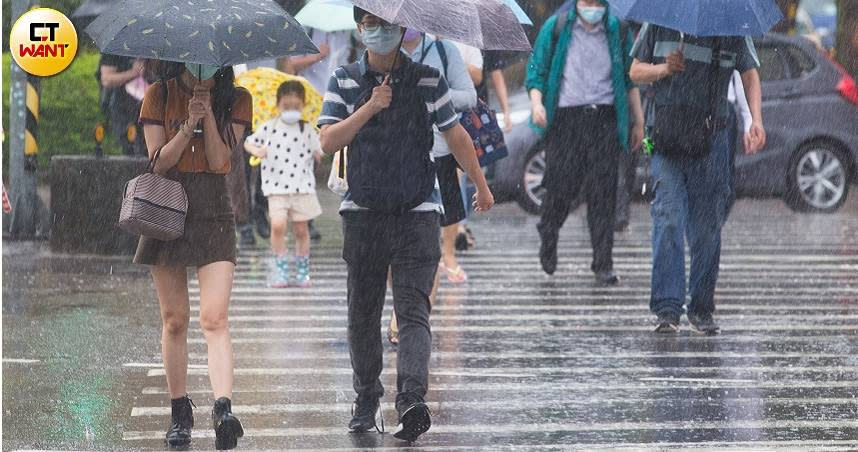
{"x":207,"y":71}
{"x":380,"y":40}
{"x":591,"y":14}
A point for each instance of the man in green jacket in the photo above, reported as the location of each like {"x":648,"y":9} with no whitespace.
{"x":582,"y":99}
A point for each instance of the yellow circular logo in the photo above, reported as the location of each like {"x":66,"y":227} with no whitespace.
{"x":43,"y":42}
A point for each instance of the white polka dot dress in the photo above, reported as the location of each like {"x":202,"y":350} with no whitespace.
{"x":288,"y":167}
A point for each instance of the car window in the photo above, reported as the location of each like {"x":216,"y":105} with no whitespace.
{"x":800,"y":63}
{"x":772,"y":66}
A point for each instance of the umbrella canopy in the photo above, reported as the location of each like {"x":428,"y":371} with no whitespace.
{"x":484,"y":24}
{"x":327,"y":15}
{"x":263,"y":83}
{"x":703,"y":17}
{"x":211,"y":32}
{"x":336,"y":15}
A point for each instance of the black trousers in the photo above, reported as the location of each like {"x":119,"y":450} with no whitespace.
{"x":257,"y":202}
{"x":407,"y":245}
{"x":582,"y":153}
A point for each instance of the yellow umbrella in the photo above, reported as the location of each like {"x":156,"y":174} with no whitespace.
{"x":263,"y":83}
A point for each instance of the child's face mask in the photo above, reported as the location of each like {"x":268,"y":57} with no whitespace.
{"x":290,"y":116}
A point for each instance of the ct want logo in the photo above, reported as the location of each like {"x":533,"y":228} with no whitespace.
{"x":43,"y":42}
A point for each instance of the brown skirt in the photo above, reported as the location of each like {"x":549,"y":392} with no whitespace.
{"x":209,"y":228}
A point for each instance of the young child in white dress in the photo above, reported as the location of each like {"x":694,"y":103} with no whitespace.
{"x":289,"y":146}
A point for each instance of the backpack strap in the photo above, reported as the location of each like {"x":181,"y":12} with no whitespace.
{"x":562,"y":18}
{"x":714,"y":66}
{"x":559,"y":25}
{"x":442,"y":54}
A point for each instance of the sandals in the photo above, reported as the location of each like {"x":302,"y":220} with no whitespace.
{"x":456,"y":275}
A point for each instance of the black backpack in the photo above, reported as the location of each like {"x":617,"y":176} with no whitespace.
{"x":389,"y":166}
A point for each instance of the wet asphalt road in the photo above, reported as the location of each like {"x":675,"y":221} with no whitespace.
{"x":521,"y":361}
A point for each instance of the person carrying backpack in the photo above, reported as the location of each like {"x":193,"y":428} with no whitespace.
{"x":383,"y":108}
{"x":692,"y":163}
{"x":581,"y":98}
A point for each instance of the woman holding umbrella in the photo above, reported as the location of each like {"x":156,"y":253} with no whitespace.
{"x":200,"y":161}
{"x":192,"y":120}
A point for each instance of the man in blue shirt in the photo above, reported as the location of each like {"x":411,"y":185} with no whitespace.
{"x":374,"y":240}
{"x":693,"y":194}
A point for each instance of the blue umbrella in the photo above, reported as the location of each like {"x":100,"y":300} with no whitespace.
{"x":327,"y":15}
{"x":519,"y":13}
{"x":703,"y":17}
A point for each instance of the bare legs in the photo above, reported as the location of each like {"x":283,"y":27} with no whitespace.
{"x":171,"y":284}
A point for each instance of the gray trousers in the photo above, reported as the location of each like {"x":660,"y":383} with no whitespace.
{"x":407,"y":245}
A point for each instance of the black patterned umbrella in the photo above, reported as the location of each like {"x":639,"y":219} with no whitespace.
{"x":212,"y":32}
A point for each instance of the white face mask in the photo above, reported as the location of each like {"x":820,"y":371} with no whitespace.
{"x":290,"y":116}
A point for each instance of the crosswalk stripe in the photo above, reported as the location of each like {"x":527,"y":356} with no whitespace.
{"x":285,"y":295}
{"x":639,"y":264}
{"x":533,"y":257}
{"x":734,"y":338}
{"x":537,"y":387}
{"x":534,"y":428}
{"x":518,"y":372}
{"x":341,"y":319}
{"x":501,"y":291}
{"x":756,"y":355}
{"x":513,"y":403}
{"x":548,"y":328}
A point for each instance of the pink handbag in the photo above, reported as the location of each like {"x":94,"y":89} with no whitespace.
{"x":154,"y":206}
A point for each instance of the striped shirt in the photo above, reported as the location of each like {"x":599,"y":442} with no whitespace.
{"x":344,"y":92}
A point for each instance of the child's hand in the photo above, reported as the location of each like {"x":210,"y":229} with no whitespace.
{"x":256,"y":150}
{"x":318,"y":157}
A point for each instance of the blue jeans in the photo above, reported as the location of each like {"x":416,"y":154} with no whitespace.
{"x":692,"y":199}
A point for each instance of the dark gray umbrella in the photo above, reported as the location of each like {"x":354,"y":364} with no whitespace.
{"x":484,"y":24}
{"x":212,"y":32}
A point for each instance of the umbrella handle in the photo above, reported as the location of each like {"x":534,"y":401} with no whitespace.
{"x":398,"y":51}
{"x":681,"y":49}
{"x":198,"y":128}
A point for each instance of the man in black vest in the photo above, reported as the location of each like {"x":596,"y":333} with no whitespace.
{"x":693,"y":188}
{"x":383,"y":108}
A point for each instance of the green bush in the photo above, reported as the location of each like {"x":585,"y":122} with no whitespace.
{"x":69,"y":111}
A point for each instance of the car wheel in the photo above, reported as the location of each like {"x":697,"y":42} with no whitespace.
{"x":531,"y":191}
{"x":817,"y":179}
